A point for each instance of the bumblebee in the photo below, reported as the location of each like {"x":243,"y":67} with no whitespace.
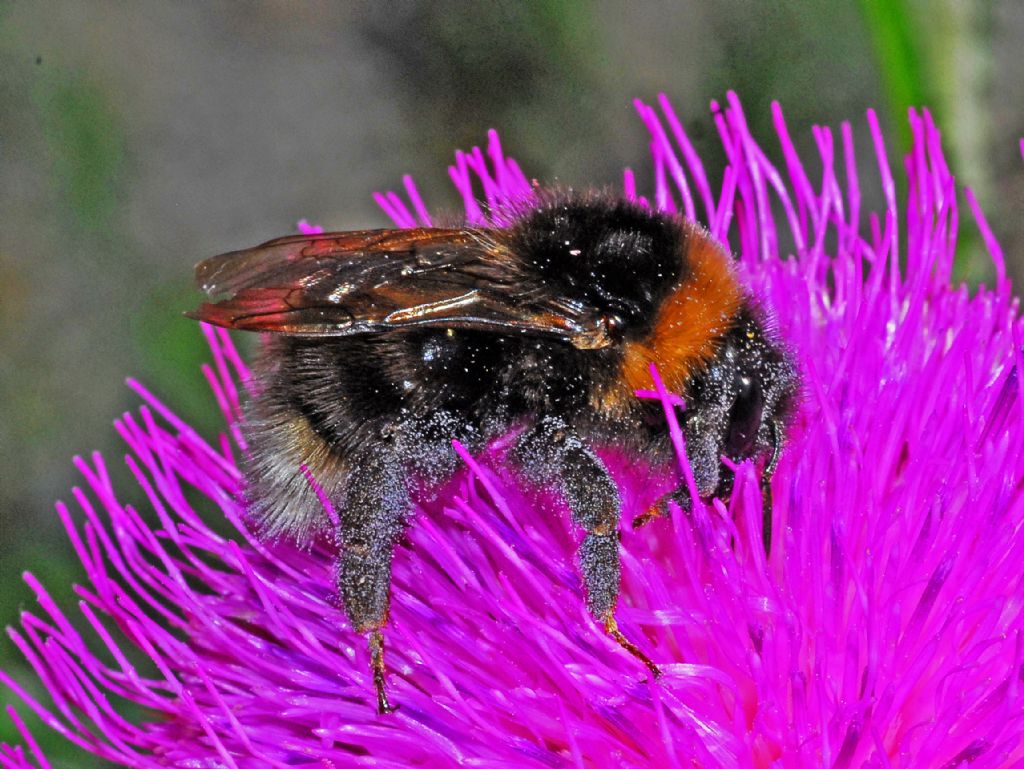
{"x":385,"y":345}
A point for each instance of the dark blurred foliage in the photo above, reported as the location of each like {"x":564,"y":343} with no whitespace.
{"x":137,"y":138}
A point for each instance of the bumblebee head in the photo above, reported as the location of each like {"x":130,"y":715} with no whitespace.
{"x":739,"y":404}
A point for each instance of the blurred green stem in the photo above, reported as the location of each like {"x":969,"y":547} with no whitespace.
{"x":936,"y":54}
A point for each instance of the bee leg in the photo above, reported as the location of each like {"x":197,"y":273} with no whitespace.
{"x":376,"y":505}
{"x":766,"y":489}
{"x":377,"y":664}
{"x":660,"y":509}
{"x":551,"y":451}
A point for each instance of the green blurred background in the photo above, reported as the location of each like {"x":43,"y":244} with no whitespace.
{"x":137,"y":138}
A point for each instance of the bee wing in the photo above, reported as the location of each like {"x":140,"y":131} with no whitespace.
{"x":345,"y":283}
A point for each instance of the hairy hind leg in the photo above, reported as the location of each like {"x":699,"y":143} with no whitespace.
{"x":552,"y":452}
{"x":376,"y":505}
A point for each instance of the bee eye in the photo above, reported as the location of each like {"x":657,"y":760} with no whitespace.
{"x":744,"y":417}
{"x":615,"y":326}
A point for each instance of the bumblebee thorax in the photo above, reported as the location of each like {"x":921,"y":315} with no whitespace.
{"x":690,"y":321}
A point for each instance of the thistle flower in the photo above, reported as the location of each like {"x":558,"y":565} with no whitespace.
{"x":884,"y":630}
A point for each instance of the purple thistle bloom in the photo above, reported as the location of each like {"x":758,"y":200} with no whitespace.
{"x":885,"y":630}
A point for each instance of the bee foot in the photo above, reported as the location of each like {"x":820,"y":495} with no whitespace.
{"x":652,"y":513}
{"x":612,"y":628}
{"x":660,"y":508}
{"x":377,"y":661}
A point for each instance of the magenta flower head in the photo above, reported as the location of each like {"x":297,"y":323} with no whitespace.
{"x":884,"y":629}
